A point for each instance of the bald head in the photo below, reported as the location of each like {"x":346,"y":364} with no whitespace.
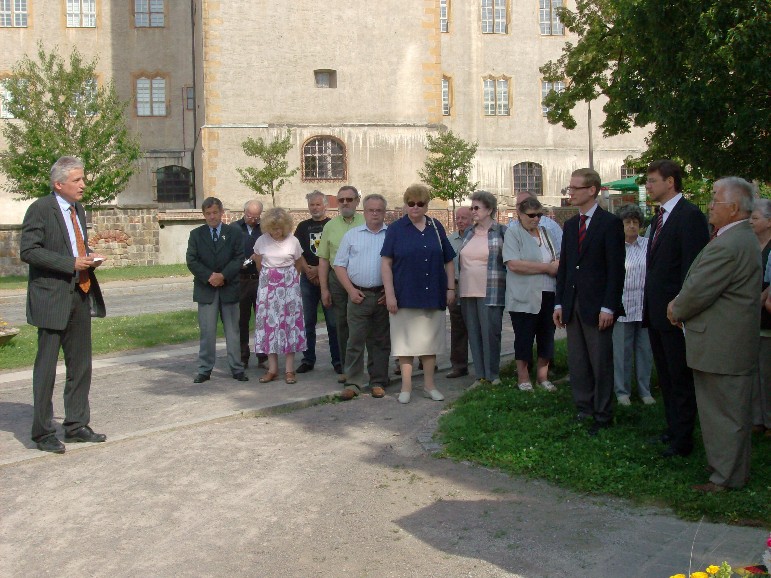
{"x":462,"y":219}
{"x":252,"y":212}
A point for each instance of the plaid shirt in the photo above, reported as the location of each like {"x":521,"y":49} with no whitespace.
{"x":495,"y":294}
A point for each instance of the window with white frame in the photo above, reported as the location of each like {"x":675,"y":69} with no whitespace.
{"x":528,"y":178}
{"x":151,"y":96}
{"x":627,"y":171}
{"x":446,"y":102}
{"x":5,"y":98}
{"x":87,"y":95}
{"x":546,"y":88}
{"x":444,"y":16}
{"x":495,"y":93}
{"x":494,"y":16}
{"x":550,"y":21}
{"x":13,"y":13}
{"x":81,"y":13}
{"x":323,"y":159}
{"x":149,"y":13}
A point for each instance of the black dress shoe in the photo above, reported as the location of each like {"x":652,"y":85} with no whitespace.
{"x":457,"y":373}
{"x":240,"y":377}
{"x":201,"y":377}
{"x":84,"y":434}
{"x":671,"y":452}
{"x":595,"y":428}
{"x":51,"y":444}
{"x":304,"y":368}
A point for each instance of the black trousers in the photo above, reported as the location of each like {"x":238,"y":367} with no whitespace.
{"x":247,"y":307}
{"x":676,"y":382}
{"x":75,"y":341}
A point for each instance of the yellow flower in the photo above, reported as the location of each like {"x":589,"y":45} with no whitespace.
{"x":712,"y":569}
{"x":678,"y":576}
{"x":699,"y":575}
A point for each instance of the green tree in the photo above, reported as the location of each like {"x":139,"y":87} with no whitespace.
{"x":60,"y":109}
{"x":694,"y":70}
{"x":448,"y":166}
{"x":274,"y":172}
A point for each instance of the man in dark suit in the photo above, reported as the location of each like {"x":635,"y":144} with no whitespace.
{"x":590,"y":281}
{"x":719,"y":305}
{"x":677,"y":235}
{"x":215,"y":253}
{"x":249,"y":277}
{"x":62,"y":295}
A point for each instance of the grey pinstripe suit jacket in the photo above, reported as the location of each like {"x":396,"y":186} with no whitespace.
{"x":45,"y":246}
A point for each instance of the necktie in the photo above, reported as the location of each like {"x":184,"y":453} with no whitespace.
{"x":215,"y":237}
{"x":84,"y":282}
{"x":582,"y":231}
{"x":659,"y":224}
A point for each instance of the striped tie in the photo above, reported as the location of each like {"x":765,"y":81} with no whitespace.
{"x":84,"y":281}
{"x":582,"y":231}
{"x":659,"y":224}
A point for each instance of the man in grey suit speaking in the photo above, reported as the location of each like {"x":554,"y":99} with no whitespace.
{"x":719,"y":305}
{"x":62,"y":296}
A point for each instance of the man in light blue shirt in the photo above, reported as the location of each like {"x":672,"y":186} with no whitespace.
{"x":357,"y":267}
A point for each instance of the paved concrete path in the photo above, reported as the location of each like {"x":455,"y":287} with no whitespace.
{"x":224,"y":479}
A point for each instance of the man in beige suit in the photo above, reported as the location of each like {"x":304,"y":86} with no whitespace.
{"x":719,"y":308}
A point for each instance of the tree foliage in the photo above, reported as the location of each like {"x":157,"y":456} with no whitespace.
{"x":448,"y":166}
{"x":274,"y":172}
{"x":695,"y":70}
{"x":60,"y":109}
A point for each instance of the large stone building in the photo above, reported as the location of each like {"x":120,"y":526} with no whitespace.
{"x":359,"y":84}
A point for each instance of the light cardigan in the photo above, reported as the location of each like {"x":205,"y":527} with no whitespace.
{"x":523,"y":292}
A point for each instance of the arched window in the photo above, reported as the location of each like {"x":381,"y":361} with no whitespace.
{"x":173,"y":184}
{"x":528,"y":178}
{"x":323,"y":159}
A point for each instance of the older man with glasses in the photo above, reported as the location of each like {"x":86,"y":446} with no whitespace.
{"x":249,"y":277}
{"x":333,"y":294}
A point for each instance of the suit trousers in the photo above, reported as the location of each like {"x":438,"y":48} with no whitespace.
{"x":484,"y":324}
{"x":311,"y":295}
{"x":208,"y":313}
{"x":590,"y":363}
{"x":75,"y":341}
{"x":725,"y":417}
{"x":247,"y":306}
{"x":368,"y":326}
{"x":340,"y":308}
{"x":632,"y":355}
{"x":676,"y":382}
{"x":458,"y":338}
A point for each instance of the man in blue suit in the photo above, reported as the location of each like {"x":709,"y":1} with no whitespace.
{"x":62,"y":296}
{"x":590,"y":282}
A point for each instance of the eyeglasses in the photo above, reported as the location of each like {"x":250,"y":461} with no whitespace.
{"x":420,"y":204}
{"x":574,"y":189}
{"x":346,"y":199}
{"x":374,"y":211}
{"x":534,"y":215}
{"x":477,"y":207}
{"x":712,"y":203}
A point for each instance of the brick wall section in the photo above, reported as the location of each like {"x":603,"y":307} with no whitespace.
{"x":128,"y":235}
{"x":10,"y":264}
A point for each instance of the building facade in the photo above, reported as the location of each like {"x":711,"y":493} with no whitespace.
{"x":359,"y":85}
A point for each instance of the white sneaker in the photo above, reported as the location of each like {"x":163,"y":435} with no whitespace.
{"x":548,"y":386}
{"x":648,"y":400}
{"x":497,"y":381}
{"x":526,"y":386}
{"x":624,"y":400}
{"x":404,"y":397}
{"x":434,"y":394}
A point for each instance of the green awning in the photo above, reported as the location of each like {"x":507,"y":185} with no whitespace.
{"x":628,"y":184}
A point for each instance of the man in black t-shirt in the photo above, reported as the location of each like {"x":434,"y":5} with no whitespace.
{"x":308,"y":232}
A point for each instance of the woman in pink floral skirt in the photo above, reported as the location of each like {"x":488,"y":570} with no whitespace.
{"x":279,"y":326}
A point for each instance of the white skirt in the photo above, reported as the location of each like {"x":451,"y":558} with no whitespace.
{"x":416,"y":332}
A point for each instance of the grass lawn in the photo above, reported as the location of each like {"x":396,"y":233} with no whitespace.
{"x":535,"y":435}
{"x":118,"y":274}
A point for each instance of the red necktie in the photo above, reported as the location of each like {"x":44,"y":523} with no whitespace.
{"x":582,"y":231}
{"x":83,"y":279}
{"x":659,"y":224}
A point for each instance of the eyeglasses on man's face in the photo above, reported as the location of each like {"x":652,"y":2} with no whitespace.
{"x":478,"y":208}
{"x":346,"y":199}
{"x":420,"y":204}
{"x":534,"y":215}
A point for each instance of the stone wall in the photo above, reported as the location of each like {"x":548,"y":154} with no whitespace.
{"x":10,"y":264}
{"x":127,"y":235}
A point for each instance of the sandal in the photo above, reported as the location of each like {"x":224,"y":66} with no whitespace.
{"x":290,"y":377}
{"x":268,"y":377}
